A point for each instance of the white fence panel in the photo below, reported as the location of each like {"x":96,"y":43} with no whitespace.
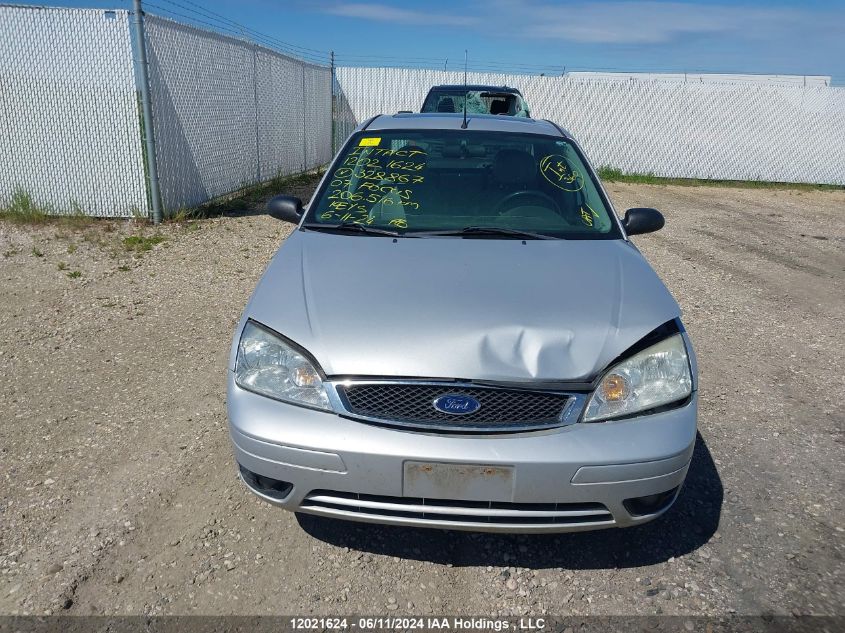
{"x":228,"y":113}
{"x":729,"y":131}
{"x":70,"y":132}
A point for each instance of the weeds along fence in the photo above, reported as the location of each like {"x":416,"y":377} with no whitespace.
{"x":226,"y":112}
{"x":728,"y":131}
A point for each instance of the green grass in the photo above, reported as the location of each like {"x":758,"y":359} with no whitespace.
{"x":37,"y":252}
{"x":611,"y":174}
{"x":22,"y":209}
{"x":181,"y":215}
{"x":62,"y":265}
{"x":74,"y":274}
{"x":142,"y":243}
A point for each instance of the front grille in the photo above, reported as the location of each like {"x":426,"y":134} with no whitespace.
{"x":413,"y":405}
{"x":352,"y":505}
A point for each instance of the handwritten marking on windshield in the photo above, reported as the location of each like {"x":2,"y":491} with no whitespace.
{"x":373,"y":181}
{"x":560,"y":172}
{"x":587,"y":216}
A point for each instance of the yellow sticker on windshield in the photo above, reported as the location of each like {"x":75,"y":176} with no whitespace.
{"x":372,"y":141}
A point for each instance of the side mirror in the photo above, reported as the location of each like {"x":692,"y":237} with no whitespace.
{"x":642,"y":220}
{"x":286,"y":208}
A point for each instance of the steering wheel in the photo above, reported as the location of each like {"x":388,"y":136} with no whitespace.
{"x":507,"y":201}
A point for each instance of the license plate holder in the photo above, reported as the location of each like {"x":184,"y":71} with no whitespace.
{"x":470,"y":482}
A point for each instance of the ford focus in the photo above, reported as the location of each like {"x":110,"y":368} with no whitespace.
{"x":460,"y":334}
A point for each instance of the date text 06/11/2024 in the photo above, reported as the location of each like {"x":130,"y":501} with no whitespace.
{"x":400,"y":623}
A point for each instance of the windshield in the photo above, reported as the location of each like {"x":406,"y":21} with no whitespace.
{"x":425,"y":181}
{"x":478,"y":102}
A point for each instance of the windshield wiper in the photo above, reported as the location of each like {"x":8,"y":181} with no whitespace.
{"x":489,"y":230}
{"x":350,"y":226}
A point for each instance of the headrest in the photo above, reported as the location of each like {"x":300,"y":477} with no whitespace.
{"x":461,"y":151}
{"x":446,"y":104}
{"x":514,"y":167}
{"x":499,"y":106}
{"x":416,"y":157}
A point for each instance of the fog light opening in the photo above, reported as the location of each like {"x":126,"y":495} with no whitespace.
{"x":267,"y":486}
{"x":650,"y":504}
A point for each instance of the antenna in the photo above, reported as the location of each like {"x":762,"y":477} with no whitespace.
{"x":466,"y":92}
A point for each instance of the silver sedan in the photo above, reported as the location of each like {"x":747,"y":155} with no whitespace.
{"x":460,"y":335}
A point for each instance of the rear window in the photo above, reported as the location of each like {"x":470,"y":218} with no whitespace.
{"x":477,"y":102}
{"x":438,"y":180}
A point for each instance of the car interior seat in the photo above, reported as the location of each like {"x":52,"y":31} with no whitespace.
{"x":513,"y":170}
{"x":499,"y":106}
{"x":446,"y":104}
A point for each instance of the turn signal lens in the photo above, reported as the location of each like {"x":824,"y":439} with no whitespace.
{"x":305,"y":376}
{"x":656,"y":376}
{"x":614,"y":388}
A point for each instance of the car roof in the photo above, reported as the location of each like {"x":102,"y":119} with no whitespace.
{"x":453,"y":121}
{"x":474,"y":88}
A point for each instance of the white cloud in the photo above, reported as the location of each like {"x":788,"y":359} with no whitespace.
{"x":639,"y":22}
{"x":595,"y":22}
{"x":387,"y":13}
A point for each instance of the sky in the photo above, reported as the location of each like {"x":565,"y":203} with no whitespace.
{"x":744,"y":36}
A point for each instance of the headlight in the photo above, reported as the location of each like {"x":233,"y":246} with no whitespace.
{"x":657,"y":375}
{"x":268,"y":365}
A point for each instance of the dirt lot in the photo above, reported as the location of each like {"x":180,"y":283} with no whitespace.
{"x":119,"y":489}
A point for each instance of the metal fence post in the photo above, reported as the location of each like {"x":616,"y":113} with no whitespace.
{"x":255,"y":105}
{"x":333,"y":115}
{"x":146,"y":106}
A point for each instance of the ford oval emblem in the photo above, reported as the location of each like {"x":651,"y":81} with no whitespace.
{"x":456,"y":404}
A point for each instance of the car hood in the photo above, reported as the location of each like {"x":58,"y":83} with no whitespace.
{"x":474,"y":309}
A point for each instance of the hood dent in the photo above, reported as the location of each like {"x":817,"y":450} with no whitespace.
{"x":446,"y":308}
{"x":511,"y":351}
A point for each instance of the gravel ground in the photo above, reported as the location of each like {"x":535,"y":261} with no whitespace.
{"x":120,"y":493}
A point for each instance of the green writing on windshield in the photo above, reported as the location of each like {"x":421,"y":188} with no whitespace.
{"x":561,"y":173}
{"x":375,"y":183}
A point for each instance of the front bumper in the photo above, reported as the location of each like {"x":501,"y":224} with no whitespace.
{"x":572,"y":478}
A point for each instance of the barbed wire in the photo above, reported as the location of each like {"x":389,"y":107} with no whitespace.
{"x":241,"y":31}
{"x":195,"y":13}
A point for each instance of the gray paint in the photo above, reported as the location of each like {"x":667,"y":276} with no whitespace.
{"x":476,"y":309}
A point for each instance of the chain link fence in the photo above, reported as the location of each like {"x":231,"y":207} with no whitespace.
{"x":70,"y":136}
{"x":228,"y":113}
{"x":727,"y":131}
